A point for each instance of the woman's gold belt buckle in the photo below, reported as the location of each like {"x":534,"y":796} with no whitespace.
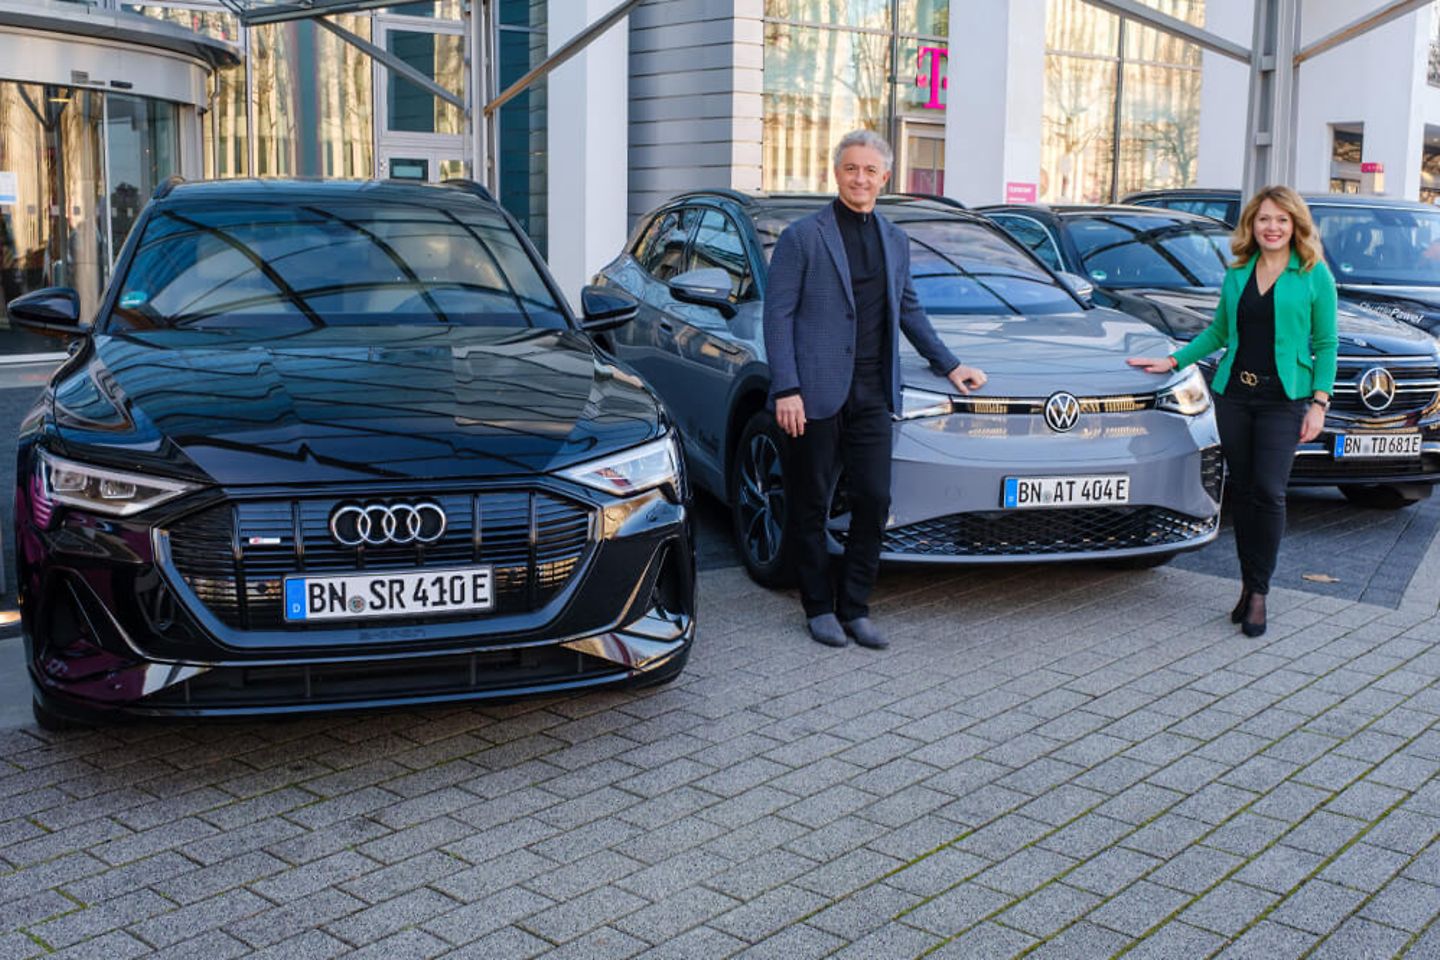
{"x":1248,"y":378}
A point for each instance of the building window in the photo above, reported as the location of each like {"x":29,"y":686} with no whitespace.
{"x":1432,"y":72}
{"x":828,"y":69}
{"x":1347,"y":150}
{"x":522,"y":124}
{"x":1122,"y":103}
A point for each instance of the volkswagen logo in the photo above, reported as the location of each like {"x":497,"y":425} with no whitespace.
{"x":1062,"y":411}
{"x":1377,"y":388}
{"x":377,"y":524}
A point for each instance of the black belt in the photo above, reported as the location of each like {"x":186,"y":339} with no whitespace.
{"x":1255,"y":381}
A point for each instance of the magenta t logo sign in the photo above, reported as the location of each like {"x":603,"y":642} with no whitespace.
{"x":931,"y":75}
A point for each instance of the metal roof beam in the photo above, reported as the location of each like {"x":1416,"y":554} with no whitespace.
{"x":573,"y":46}
{"x":252,"y":12}
{"x":1390,"y":11}
{"x":1150,"y":17}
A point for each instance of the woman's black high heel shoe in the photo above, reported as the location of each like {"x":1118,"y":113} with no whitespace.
{"x":1254,"y":623}
{"x":1238,"y":613}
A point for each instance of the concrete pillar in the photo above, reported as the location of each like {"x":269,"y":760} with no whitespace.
{"x":993,"y":122}
{"x":587,"y":143}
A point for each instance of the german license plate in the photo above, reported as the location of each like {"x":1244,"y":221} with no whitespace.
{"x":1379,"y":446}
{"x":1020,"y":493}
{"x":363,"y":596}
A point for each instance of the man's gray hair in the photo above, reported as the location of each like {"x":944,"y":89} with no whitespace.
{"x":865,"y":138}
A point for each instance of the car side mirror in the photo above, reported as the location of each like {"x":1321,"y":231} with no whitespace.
{"x":53,"y":311}
{"x":605,"y":308}
{"x":1083,"y":289}
{"x":707,"y":287}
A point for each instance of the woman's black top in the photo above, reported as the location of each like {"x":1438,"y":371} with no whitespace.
{"x":1255,"y":324}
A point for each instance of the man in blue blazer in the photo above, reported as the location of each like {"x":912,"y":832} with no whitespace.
{"x":838,"y":296}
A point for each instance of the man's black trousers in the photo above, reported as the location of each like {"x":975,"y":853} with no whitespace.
{"x":1259,"y":431}
{"x":856,"y":439}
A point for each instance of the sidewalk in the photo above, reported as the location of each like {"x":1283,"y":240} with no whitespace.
{"x":1072,"y":762}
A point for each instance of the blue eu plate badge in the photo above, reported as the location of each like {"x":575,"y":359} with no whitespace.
{"x":1012,"y":492}
{"x":295,"y":599}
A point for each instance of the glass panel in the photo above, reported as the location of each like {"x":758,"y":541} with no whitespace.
{"x":408,"y":169}
{"x":1129,"y":250}
{"x":923,"y":84}
{"x":819,"y":85}
{"x":142,"y":143}
{"x":312,"y":101}
{"x":272,"y":266}
{"x":53,"y":233}
{"x":1076,"y":147}
{"x":435,"y":9}
{"x":1148,"y":44}
{"x":439,"y":57}
{"x":523,"y":122}
{"x":452,"y":169}
{"x":664,"y":257}
{"x":718,"y":246}
{"x":1160,"y":131}
{"x":1348,"y":146}
{"x":867,"y":14}
{"x":1379,"y":245}
{"x":1032,"y":236}
{"x":929,"y":17}
{"x":1074,"y":26}
{"x":967,"y":268}
{"x":522,"y":13}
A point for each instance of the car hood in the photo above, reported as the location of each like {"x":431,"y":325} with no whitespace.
{"x":1419,"y":306}
{"x":1082,"y":352}
{"x":348,"y":404}
{"x":1183,"y":313}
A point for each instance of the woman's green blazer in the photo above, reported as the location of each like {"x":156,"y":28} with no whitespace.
{"x":1305,"y":339}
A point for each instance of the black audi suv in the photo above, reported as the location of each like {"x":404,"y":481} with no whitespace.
{"x":1384,"y":252}
{"x":1381,"y":444}
{"x":341,"y":445}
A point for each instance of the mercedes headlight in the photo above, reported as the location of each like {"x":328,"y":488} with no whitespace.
{"x":1190,"y":396}
{"x":114,"y":493}
{"x":631,"y":471}
{"x":915,"y":404}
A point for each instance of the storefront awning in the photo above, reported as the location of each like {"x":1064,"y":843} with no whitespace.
{"x":126,"y":28}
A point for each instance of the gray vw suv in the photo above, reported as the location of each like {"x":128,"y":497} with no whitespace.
{"x":1066,"y":454}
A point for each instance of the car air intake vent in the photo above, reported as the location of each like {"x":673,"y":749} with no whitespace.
{"x":1045,"y":532}
{"x":235,"y":556}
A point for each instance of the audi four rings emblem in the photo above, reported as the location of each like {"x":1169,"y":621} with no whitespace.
{"x":375,"y":524}
{"x":1062,"y":411}
{"x":1377,"y":388}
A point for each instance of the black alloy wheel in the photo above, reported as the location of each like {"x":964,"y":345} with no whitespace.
{"x":757,"y":503}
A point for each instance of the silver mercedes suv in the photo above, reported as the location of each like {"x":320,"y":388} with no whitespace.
{"x":1067,"y":453}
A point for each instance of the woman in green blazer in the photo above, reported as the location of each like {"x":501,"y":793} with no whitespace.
{"x":1276,"y":324}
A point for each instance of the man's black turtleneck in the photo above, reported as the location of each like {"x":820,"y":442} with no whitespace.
{"x":866,"y":257}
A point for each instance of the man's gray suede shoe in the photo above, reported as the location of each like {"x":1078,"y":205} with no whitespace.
{"x":826,"y":629}
{"x":865,"y":633}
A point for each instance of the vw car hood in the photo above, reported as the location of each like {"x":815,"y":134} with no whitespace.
{"x":1082,"y":352}
{"x":372,"y":403}
{"x":1185,"y":312}
{"x":1419,"y":306}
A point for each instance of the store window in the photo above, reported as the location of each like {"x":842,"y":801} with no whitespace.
{"x":1122,"y":103}
{"x":1347,"y":152}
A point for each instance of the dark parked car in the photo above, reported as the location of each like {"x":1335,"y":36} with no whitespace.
{"x":1385,"y":253}
{"x":1066,"y":454}
{"x":1381,"y":444}
{"x":341,"y":445}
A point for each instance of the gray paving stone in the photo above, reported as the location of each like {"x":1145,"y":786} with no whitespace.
{"x":1246,"y":834}
{"x":1280,"y":869}
{"x":700,"y":942}
{"x":801,"y":942}
{"x":568,"y":920}
{"x":1359,"y":939}
{"x":512,"y":943}
{"x":483,"y":917}
{"x":759,"y":918}
{"x":868,"y":910}
{"x":1404,"y":904}
{"x":1228,"y":908}
{"x":1318,"y":906}
{"x":894,"y":940}
{"x":1364,"y":867}
{"x":1269,"y":941}
{"x":957,"y":909}
{"x":1080,"y":940}
{"x":1111,"y":871}
{"x":1049,"y":909}
{"x":1324,"y":833}
{"x":1196,"y":869}
{"x":678,"y":912}
{"x":986,"y":940}
{"x":1139,"y":908}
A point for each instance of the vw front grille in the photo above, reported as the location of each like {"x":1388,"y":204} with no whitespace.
{"x":1046,"y":532}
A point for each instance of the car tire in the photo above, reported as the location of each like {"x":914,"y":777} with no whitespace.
{"x":758,"y":511}
{"x":48,"y":720}
{"x":1385,"y":496}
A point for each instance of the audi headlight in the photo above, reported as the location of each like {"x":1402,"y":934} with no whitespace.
{"x":915,"y":404}
{"x":114,"y":493}
{"x":632,"y":471}
{"x":1190,"y":396}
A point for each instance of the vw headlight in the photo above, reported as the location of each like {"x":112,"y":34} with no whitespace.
{"x":1190,"y":396}
{"x":915,"y":404}
{"x":631,"y":471}
{"x":114,"y":493}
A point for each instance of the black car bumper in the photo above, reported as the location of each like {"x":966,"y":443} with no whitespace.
{"x":117,"y":622}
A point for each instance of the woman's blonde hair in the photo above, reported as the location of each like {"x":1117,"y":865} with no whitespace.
{"x":1305,"y":241}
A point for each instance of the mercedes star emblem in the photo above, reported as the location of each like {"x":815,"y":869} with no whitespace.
{"x":1062,"y":411}
{"x":1377,"y":388}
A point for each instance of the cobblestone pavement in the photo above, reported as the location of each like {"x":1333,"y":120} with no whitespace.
{"x":1055,"y":763}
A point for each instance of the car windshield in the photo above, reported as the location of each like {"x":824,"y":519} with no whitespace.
{"x":958,"y":266}
{"x":1380,"y":245}
{"x":318,"y":263}
{"x":1150,"y":250}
